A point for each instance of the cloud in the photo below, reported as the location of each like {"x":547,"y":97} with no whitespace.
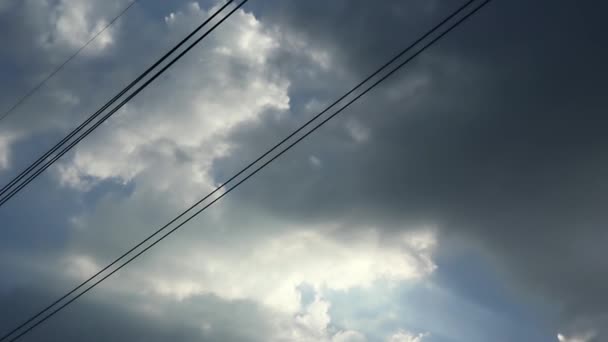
{"x":587,"y":337}
{"x":404,"y":336}
{"x":358,"y":132}
{"x":348,"y":336}
{"x":74,"y":25}
{"x":5,"y":147}
{"x":486,"y":140}
{"x":203,"y":319}
{"x":271,"y":271}
{"x":177,"y":152}
{"x":315,"y":161}
{"x":193,"y":121}
{"x":314,"y":325}
{"x":160,"y":152}
{"x":489,"y":140}
{"x":40,"y":36}
{"x":68,"y":25}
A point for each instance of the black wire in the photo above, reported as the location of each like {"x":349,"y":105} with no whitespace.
{"x":257,"y":169}
{"x":12,"y":192}
{"x":60,"y":67}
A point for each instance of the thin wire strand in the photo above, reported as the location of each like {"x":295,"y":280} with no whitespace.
{"x":68,"y":60}
{"x":390,"y":73}
{"x":30,"y":178}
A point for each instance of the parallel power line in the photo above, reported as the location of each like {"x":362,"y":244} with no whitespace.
{"x":74,"y":137}
{"x":383,"y":68}
{"x":62,"y":65}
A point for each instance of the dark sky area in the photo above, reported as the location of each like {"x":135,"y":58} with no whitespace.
{"x":461,"y":200}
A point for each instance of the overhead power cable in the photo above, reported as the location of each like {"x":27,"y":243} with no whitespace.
{"x":256,"y":170}
{"x":62,"y":65}
{"x":42,"y":163}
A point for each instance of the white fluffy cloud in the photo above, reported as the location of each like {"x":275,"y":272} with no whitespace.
{"x":584,"y":337}
{"x":314,"y":325}
{"x":404,"y":336}
{"x":73,"y":23}
{"x":270,"y":271}
{"x":166,"y":144}
{"x":5,"y":145}
{"x":189,"y":113}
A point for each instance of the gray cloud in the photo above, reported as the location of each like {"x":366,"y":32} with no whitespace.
{"x":96,"y":318}
{"x":505,"y":144}
{"x":496,"y":137}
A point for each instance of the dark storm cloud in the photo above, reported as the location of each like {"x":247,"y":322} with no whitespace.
{"x":202,"y":318}
{"x":506,"y":144}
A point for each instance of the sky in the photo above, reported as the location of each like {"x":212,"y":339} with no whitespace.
{"x":459,"y":201}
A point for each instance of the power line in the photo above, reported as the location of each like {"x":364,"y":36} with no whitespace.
{"x":369,"y":88}
{"x":13,"y":189}
{"x":62,"y":65}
